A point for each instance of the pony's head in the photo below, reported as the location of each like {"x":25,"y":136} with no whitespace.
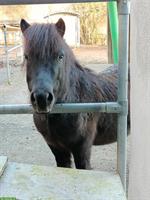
{"x":46,"y":55}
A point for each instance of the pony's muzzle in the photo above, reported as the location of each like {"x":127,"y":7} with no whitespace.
{"x":42,"y":102}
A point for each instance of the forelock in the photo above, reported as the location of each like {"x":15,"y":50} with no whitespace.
{"x":42,"y":40}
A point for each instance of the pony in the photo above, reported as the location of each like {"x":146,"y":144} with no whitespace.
{"x":54,"y":75}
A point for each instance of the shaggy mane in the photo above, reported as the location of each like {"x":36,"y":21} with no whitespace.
{"x":43,"y":41}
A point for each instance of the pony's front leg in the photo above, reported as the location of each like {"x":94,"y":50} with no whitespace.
{"x":82,"y":154}
{"x":62,"y":157}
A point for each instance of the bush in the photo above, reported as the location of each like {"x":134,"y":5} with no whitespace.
{"x":92,"y":17}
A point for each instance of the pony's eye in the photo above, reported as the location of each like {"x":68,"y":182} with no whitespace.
{"x":26,"y":57}
{"x":60,"y":57}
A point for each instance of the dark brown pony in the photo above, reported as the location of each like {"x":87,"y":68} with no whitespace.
{"x":55,"y":76}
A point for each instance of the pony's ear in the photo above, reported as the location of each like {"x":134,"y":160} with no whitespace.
{"x":60,"y":25}
{"x":24,"y":25}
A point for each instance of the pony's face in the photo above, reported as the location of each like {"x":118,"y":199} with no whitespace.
{"x":45,"y":62}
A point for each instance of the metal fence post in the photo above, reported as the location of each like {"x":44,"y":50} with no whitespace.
{"x":6,"y":53}
{"x":123,"y":88}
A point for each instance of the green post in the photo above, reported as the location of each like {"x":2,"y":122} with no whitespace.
{"x":113,"y":21}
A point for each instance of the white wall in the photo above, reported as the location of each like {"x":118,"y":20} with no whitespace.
{"x":37,"y":12}
{"x":72,"y":32}
{"x":139,"y":177}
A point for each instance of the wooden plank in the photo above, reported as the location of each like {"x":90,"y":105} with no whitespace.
{"x":109,"y":43}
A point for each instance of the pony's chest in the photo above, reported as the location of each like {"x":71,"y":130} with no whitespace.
{"x":56,"y":130}
{"x":63,"y":125}
{"x":63,"y":130}
{"x":66,"y":128}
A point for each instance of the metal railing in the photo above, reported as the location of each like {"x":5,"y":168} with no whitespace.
{"x":8,"y":51}
{"x":110,"y":107}
{"x":120,"y":107}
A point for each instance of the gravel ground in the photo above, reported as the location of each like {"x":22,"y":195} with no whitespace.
{"x":19,"y":139}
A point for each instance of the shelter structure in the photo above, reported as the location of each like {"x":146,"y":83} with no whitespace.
{"x":72,"y":22}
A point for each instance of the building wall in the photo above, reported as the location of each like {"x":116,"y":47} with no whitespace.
{"x":139,"y":174}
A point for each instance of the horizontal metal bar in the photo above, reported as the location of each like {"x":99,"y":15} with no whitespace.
{"x":6,"y":27}
{"x":110,"y":107}
{"x":14,"y":48}
{"x":19,"y":2}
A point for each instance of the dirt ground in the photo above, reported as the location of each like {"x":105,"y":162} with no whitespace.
{"x":19,"y":139}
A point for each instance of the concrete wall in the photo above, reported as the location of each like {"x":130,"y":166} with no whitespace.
{"x":139,"y":178}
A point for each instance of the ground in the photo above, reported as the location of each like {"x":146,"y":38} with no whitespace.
{"x":19,"y":139}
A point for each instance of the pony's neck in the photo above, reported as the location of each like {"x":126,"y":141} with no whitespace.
{"x":79,"y":83}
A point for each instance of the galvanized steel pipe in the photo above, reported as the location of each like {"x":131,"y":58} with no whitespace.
{"x":123,"y":88}
{"x":110,"y":107}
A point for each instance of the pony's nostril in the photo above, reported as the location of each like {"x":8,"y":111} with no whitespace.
{"x":32,"y":97}
{"x":50,"y":97}
{"x":41,"y":101}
